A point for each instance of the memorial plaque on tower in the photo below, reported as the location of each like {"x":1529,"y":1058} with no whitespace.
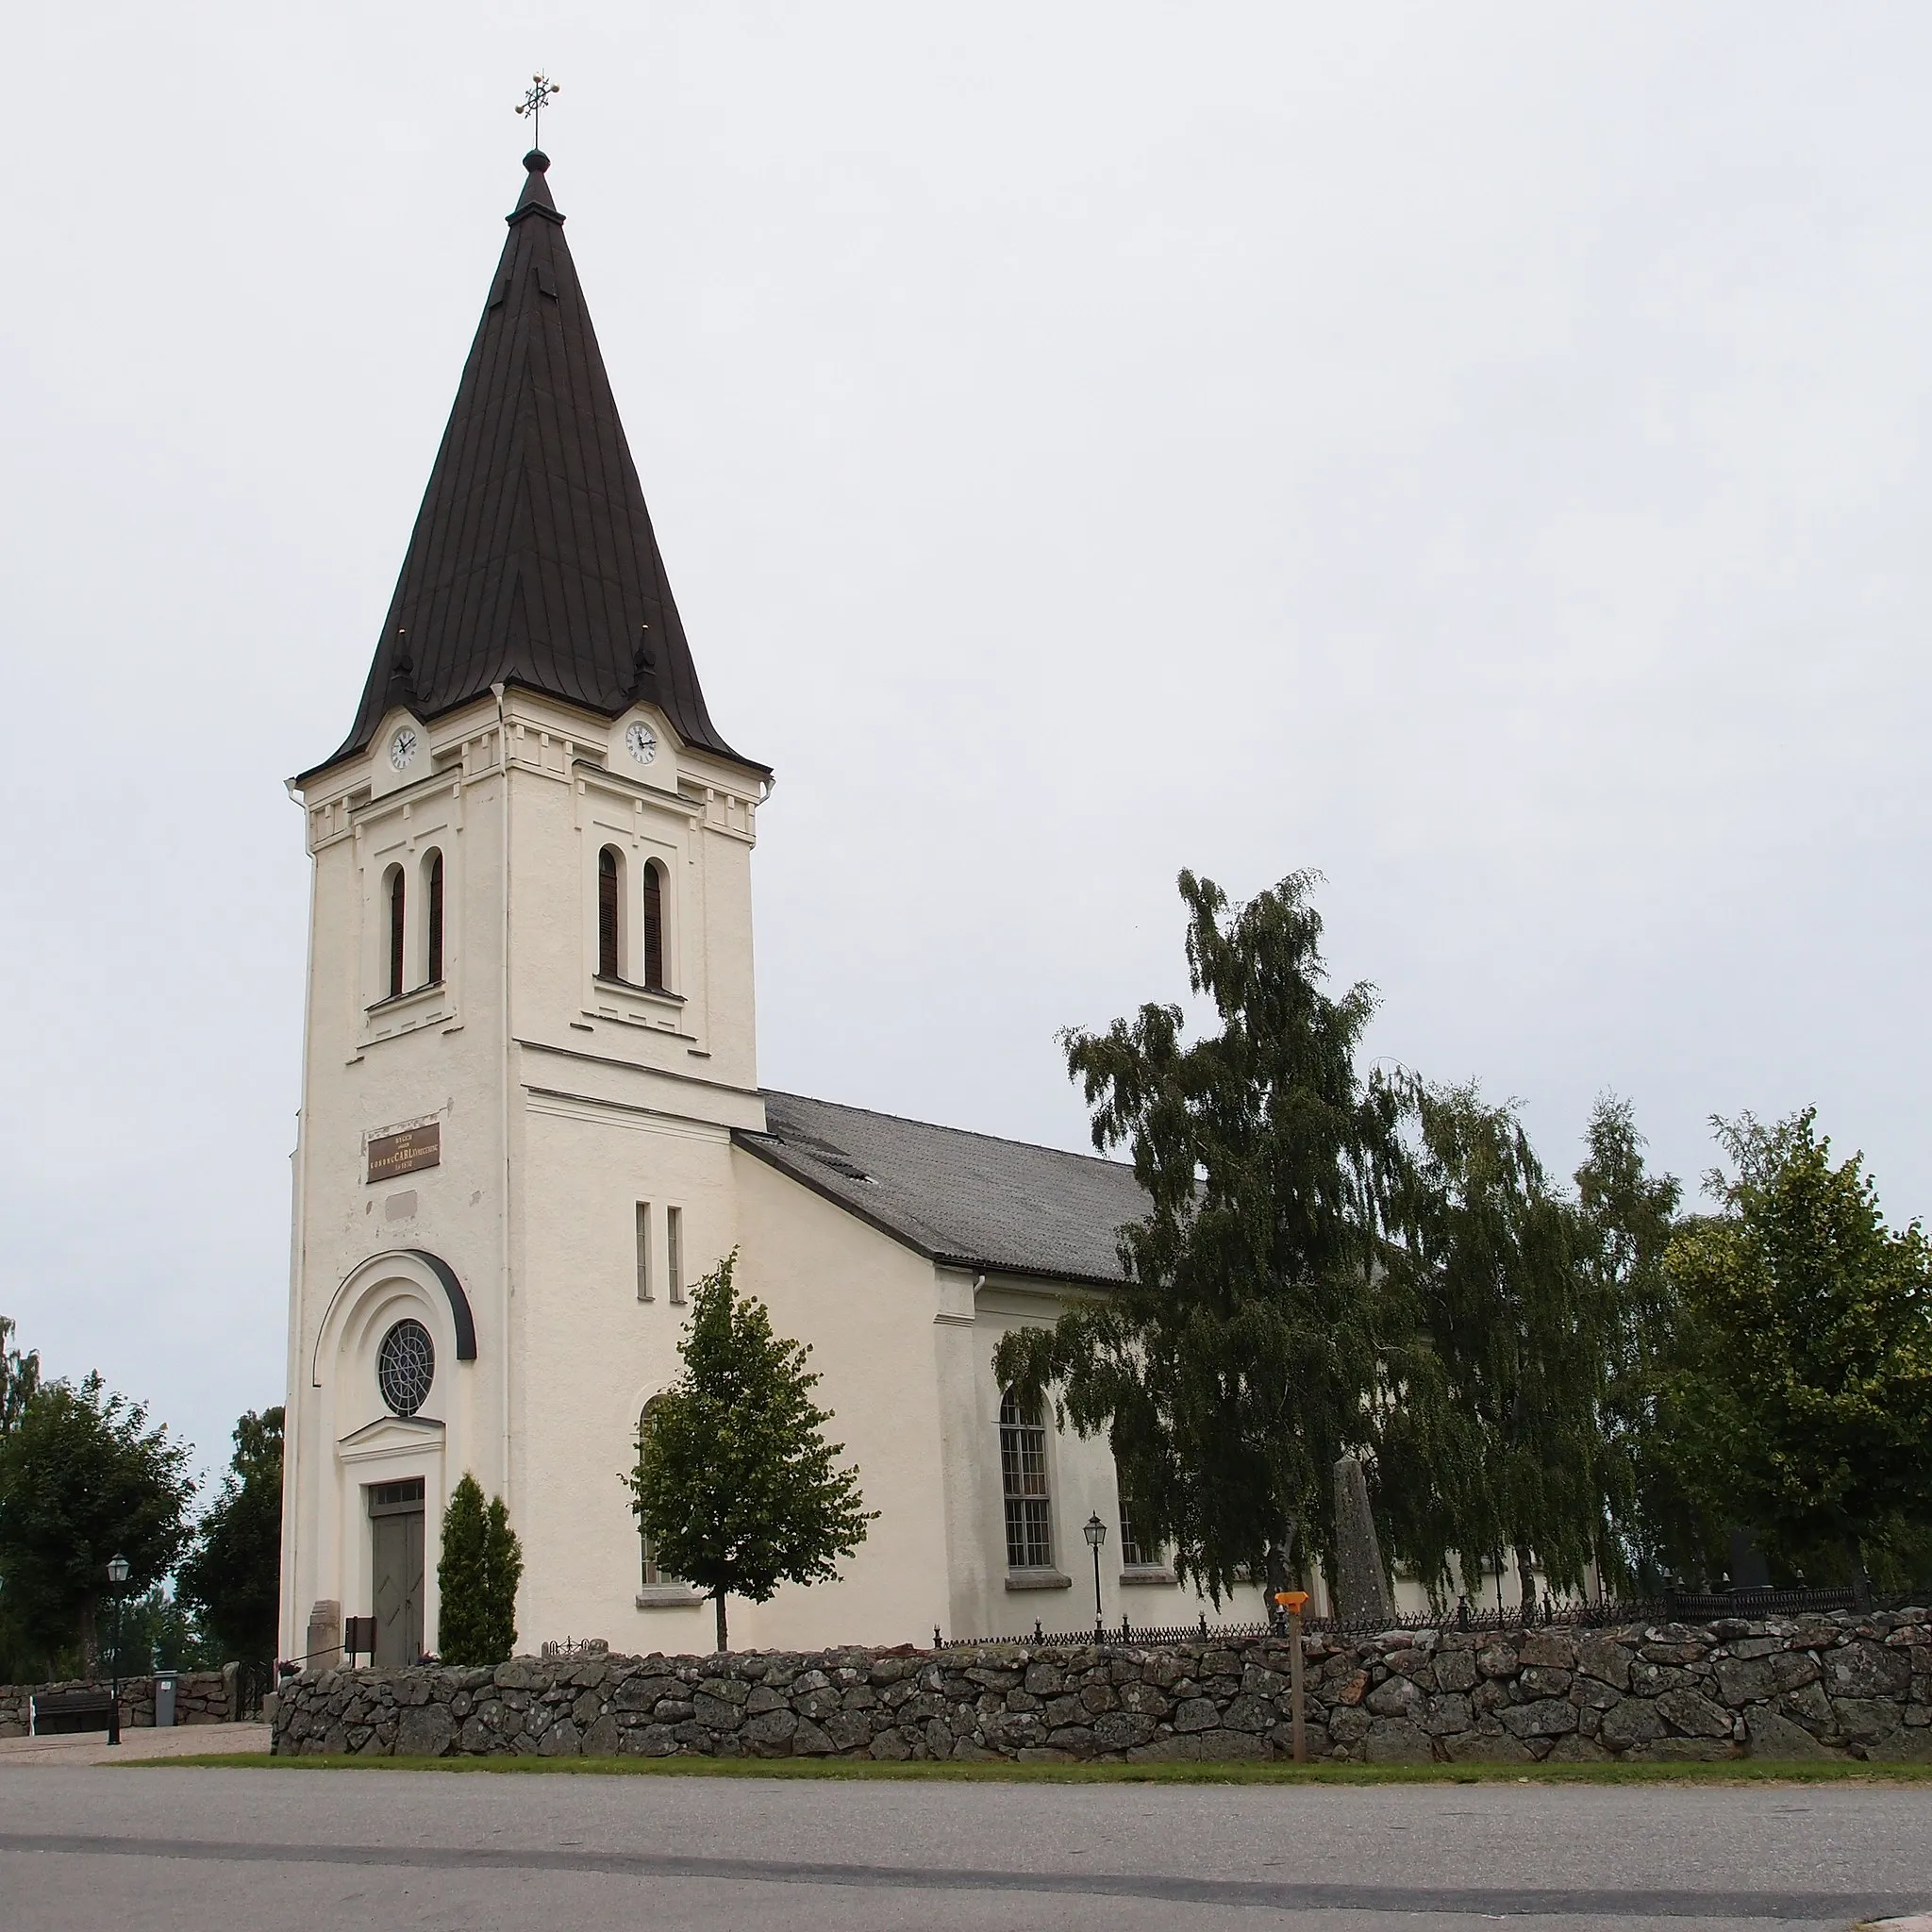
{"x":393,"y":1154}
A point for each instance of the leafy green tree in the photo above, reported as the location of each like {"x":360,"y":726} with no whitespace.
{"x":82,"y":1479}
{"x":1526,"y":1332}
{"x":1267,"y":1323}
{"x":735,"y":1483}
{"x":1804,"y":1392}
{"x":159,"y":1632}
{"x":1626,"y":1217}
{"x":476,"y":1579}
{"x":233,"y":1573}
{"x":20,"y":1376}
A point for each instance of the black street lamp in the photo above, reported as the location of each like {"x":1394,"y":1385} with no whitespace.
{"x":1095,"y":1532}
{"x":117,"y":1576}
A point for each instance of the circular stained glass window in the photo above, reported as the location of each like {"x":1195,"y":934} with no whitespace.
{"x":405,"y":1366}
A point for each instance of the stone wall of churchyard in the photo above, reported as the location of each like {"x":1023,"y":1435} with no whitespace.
{"x":201,"y":1698}
{"x":1837,"y":1686}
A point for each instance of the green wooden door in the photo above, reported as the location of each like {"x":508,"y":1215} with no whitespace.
{"x":397,"y":1575}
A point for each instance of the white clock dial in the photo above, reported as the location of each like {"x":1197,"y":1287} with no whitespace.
{"x":643,"y":742}
{"x":402,"y":749}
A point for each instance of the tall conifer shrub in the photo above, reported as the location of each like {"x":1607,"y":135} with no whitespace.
{"x":481,"y":1565}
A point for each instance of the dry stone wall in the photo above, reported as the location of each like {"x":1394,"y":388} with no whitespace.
{"x":1807,"y":1687}
{"x":201,"y":1698}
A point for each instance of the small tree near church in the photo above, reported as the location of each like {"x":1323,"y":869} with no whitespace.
{"x":477,"y":1578}
{"x":735,"y":1484}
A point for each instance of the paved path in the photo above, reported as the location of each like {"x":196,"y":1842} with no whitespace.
{"x":288,"y":1851}
{"x":92,"y":1747}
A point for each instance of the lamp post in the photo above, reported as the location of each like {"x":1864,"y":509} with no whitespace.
{"x":1095,"y":1532}
{"x":117,"y":1576}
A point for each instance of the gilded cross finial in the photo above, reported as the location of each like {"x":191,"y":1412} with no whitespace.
{"x":536,"y":98}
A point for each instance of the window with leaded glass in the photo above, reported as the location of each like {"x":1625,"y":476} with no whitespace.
{"x":1023,"y":1478}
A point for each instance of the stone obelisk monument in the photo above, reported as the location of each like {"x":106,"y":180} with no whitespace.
{"x":1361,"y":1585}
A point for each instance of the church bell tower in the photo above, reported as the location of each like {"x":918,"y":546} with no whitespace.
{"x":529,"y":1029}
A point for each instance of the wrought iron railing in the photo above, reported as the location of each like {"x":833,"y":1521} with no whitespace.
{"x":1675,"y":1606}
{"x":255,"y":1677}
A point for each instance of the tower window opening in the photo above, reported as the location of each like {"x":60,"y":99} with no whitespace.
{"x":610,"y":919}
{"x":433,"y":963}
{"x":395,"y":931}
{"x":653,"y":926}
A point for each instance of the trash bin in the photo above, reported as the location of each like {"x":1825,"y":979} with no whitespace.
{"x":165,"y":1700}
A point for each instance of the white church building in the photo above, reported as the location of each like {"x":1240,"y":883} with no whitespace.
{"x":531,"y":1114}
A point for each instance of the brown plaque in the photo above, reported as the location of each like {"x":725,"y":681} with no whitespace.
{"x":404,"y":1153}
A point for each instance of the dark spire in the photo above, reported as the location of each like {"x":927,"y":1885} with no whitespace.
{"x":533,"y":560}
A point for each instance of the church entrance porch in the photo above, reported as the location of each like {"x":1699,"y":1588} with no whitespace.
{"x":395,"y":1570}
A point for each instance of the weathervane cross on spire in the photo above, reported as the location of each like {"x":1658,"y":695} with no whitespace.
{"x":536,"y":98}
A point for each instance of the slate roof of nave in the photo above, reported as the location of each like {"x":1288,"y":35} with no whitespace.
{"x":533,"y":560}
{"x":967,"y":1200}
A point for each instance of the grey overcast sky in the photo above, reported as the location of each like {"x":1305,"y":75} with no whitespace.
{"x":1477,"y":451}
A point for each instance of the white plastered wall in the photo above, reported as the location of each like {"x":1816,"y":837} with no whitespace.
{"x":532,"y":1200}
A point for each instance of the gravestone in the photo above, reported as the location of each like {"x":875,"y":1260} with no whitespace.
{"x":325,"y":1636}
{"x":1362,"y":1586}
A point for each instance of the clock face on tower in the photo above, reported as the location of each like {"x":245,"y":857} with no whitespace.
{"x":402,"y":748}
{"x":643,"y":742}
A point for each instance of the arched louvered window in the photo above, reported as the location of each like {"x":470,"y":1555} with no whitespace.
{"x":654,"y":926}
{"x":432,"y":975}
{"x":395,"y":931}
{"x":609,"y":916}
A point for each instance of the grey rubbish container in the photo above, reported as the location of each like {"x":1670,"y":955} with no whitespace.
{"x":165,"y":1700}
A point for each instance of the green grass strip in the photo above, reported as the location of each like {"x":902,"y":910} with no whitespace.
{"x":1728,"y":1772}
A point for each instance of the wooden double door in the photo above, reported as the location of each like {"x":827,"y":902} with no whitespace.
{"x":395,"y":1536}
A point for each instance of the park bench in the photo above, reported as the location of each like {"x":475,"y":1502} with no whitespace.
{"x":56,"y":1712}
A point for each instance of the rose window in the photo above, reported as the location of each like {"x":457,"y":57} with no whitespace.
{"x":405,"y":1366}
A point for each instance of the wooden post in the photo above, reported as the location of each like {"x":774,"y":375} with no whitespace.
{"x":1293,"y":1602}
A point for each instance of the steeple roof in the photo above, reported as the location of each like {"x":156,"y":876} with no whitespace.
{"x":533,"y":562}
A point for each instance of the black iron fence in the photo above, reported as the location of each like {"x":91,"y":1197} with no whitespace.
{"x":255,"y":1677}
{"x":1672,"y":1607}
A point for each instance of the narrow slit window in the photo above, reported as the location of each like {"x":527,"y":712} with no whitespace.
{"x":643,"y":1250}
{"x":653,"y":926}
{"x":1023,"y":1478}
{"x":395,"y":931}
{"x":674,"y":1252}
{"x":610,"y":965}
{"x":433,"y":974}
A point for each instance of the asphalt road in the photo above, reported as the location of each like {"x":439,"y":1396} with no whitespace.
{"x":288,"y":1850}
